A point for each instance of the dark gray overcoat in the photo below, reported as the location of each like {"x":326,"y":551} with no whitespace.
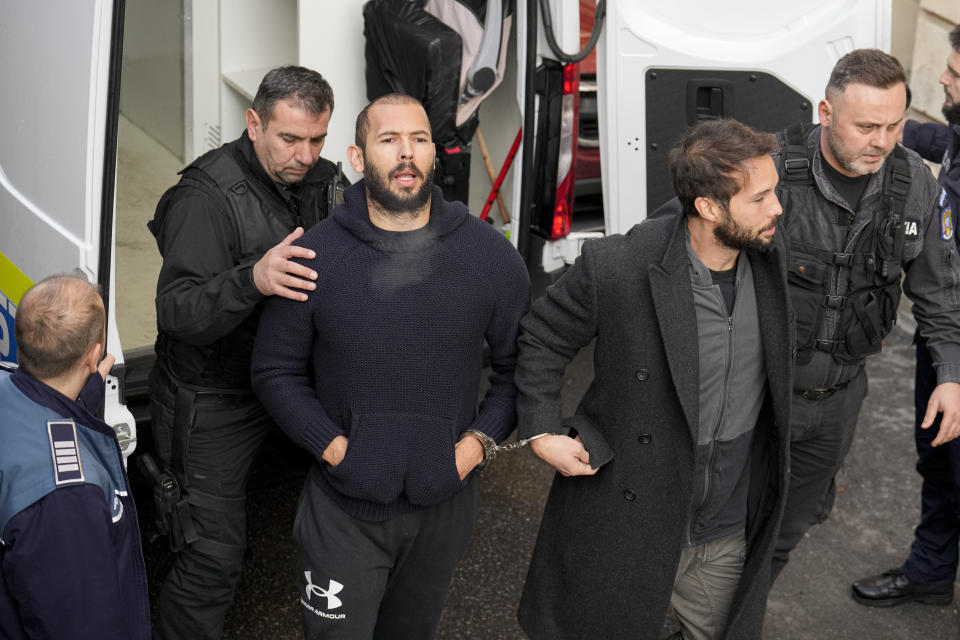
{"x":609,"y":545}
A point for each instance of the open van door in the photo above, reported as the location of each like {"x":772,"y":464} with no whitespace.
{"x":664,"y":66}
{"x":60,"y":69}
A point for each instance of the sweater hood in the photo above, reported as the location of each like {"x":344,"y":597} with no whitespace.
{"x":353,"y":215}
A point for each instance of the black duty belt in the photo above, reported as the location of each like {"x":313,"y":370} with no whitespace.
{"x":210,"y":396}
{"x":820,"y":394}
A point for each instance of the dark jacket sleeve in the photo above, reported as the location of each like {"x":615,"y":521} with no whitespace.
{"x":60,"y":567}
{"x":497,"y":415}
{"x":929,"y":139}
{"x":92,"y":395}
{"x":559,"y":324}
{"x":932,"y":281}
{"x":202,"y":294}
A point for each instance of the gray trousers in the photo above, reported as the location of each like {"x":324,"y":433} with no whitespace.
{"x":821,"y":432}
{"x":385,"y":580}
{"x":707,"y":579}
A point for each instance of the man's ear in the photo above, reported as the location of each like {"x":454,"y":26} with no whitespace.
{"x":355,"y":156}
{"x":91,"y":359}
{"x":708,"y":209}
{"x":253,"y":124}
{"x":825,"y":112}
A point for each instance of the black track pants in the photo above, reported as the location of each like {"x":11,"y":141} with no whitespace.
{"x":383,"y":580}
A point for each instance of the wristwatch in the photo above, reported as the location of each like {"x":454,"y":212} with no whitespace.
{"x":489,"y":447}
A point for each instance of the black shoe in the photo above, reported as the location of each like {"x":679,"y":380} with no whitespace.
{"x":893,"y":587}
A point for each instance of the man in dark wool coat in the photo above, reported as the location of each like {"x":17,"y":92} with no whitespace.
{"x":673,"y":471}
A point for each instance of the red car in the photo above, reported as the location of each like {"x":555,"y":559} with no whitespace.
{"x":588,"y":202}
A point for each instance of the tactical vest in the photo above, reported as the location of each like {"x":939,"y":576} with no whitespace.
{"x":869,"y":274}
{"x":258,"y":227}
{"x":33,"y":464}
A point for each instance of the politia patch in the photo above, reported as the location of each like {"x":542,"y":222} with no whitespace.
{"x":946,"y":223}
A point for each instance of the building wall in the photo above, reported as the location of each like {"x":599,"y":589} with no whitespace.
{"x":152,"y":71}
{"x":932,"y":20}
{"x":903,"y":30}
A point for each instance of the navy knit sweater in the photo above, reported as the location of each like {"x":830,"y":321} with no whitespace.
{"x":388,"y":351}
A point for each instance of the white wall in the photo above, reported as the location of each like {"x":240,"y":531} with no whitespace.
{"x":332,"y":42}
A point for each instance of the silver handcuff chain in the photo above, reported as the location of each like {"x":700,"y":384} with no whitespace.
{"x":513,"y":446}
{"x":519,"y":444}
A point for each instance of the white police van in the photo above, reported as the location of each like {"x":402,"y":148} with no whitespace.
{"x":189,"y":69}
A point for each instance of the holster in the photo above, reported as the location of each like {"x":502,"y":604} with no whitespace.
{"x":167,"y":501}
{"x":174,"y":498}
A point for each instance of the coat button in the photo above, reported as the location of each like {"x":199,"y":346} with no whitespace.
{"x":629,"y":495}
{"x":645,"y":438}
{"x":642,"y":375}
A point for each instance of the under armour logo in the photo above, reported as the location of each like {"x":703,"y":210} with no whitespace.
{"x":330,"y":593}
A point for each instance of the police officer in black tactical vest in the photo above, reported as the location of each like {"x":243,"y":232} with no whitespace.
{"x":225,"y":232}
{"x":862,"y":220}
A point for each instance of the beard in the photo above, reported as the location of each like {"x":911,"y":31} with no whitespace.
{"x":951,"y":111}
{"x":378,"y":188}
{"x":733,"y":235}
{"x":846,"y":159}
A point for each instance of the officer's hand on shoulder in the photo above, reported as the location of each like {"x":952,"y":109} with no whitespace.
{"x":275,"y":274}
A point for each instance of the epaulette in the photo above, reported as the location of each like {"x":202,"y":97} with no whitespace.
{"x":65,"y":451}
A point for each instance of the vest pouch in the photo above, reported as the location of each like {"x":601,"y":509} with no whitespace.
{"x":806,"y":277}
{"x":891,"y":242}
{"x":868,"y":322}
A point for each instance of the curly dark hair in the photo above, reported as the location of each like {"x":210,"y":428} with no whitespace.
{"x":709,"y":161}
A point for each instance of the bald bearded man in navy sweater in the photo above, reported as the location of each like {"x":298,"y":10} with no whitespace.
{"x":378,"y":374}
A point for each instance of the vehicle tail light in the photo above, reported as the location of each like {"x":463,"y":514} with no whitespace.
{"x":566,"y":176}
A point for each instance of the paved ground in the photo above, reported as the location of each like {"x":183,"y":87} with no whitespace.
{"x":870,"y":530}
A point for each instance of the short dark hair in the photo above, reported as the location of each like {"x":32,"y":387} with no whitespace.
{"x":363,"y":118}
{"x":57,"y":322}
{"x":955,"y":38}
{"x":305,"y":86}
{"x":871,"y":67}
{"x":708,"y":162}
